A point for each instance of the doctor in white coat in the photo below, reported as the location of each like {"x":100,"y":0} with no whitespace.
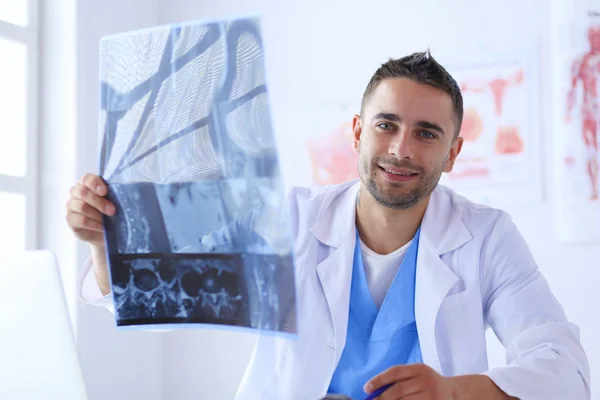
{"x":398,"y":277}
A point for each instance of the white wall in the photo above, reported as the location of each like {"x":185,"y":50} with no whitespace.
{"x":325,"y":51}
{"x":316,"y":51}
{"x":57,"y":134}
{"x":117,"y":365}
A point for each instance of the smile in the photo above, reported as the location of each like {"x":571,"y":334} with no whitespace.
{"x":399,"y":173}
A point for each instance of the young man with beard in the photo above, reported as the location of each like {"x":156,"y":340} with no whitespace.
{"x":399,"y":277}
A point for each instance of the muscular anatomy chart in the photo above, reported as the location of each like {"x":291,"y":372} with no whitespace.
{"x":583,"y":93}
{"x":500,"y":150}
{"x":576,"y":60}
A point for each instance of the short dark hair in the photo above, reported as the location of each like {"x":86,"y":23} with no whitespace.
{"x":421,"y":67}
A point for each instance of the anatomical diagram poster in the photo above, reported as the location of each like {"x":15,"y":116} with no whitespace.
{"x":329,"y":144}
{"x":320,"y":150}
{"x":200,"y":237}
{"x":499,"y":161}
{"x":576,"y":60}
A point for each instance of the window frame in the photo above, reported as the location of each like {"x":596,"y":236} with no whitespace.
{"x":29,"y":184}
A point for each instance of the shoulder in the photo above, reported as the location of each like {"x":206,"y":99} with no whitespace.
{"x":494,"y":234}
{"x":578,"y":64}
{"x":491,"y":230}
{"x":496,"y":243}
{"x":585,"y":63}
{"x":317,"y":197}
{"x":479,"y":219}
{"x":307,"y":204}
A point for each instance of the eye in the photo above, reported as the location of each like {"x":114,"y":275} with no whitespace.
{"x":385,"y":126}
{"x":428,"y":134}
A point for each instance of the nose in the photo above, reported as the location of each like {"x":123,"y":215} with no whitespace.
{"x":401,"y":144}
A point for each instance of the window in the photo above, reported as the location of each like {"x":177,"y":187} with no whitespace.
{"x":18,"y":124}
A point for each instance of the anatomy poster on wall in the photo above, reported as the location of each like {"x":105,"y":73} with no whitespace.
{"x":319,"y":150}
{"x":576,"y":59}
{"x":499,"y":161}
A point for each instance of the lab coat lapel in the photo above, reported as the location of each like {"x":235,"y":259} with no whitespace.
{"x":442,"y":230}
{"x":336,"y":228}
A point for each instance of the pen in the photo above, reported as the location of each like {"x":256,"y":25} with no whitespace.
{"x":378,"y":392}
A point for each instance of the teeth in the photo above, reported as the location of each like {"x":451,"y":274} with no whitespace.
{"x":397,"y":173}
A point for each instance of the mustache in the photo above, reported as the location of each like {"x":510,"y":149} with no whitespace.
{"x":394,"y":162}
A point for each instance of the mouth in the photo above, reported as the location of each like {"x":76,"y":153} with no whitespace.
{"x":398,"y":171}
{"x":398,"y":174}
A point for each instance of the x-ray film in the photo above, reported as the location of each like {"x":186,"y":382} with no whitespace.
{"x":201,"y":235}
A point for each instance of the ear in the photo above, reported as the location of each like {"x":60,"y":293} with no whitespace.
{"x":357,"y":130}
{"x":454,"y":152}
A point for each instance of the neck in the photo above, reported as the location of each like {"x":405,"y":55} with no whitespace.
{"x":384,"y":229}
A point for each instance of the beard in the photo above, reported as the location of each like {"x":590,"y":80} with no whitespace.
{"x":396,"y":195}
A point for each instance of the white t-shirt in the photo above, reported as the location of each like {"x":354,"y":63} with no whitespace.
{"x":381,"y":270}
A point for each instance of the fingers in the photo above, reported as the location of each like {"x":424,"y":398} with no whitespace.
{"x":414,"y":396}
{"x":391,"y":375}
{"x":85,"y":207}
{"x":402,"y":390}
{"x":80,"y":207}
{"x":95,"y":184}
{"x":87,"y":195}
{"x":78,"y":221}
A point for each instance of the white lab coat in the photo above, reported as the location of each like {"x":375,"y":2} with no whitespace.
{"x":474,"y":270}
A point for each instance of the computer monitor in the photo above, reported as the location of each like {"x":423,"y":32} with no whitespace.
{"x":38,"y":355}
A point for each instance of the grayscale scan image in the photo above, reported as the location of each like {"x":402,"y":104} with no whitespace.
{"x":201,"y":232}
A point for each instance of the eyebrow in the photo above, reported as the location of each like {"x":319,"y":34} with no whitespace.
{"x":388,"y":116}
{"x":431,"y":126}
{"x":421,"y":124}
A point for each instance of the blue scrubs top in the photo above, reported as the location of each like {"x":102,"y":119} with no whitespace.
{"x":378,"y":339}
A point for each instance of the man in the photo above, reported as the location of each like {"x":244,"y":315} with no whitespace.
{"x":398,"y":277}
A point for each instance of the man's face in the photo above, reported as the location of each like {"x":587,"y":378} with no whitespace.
{"x":405,"y":140}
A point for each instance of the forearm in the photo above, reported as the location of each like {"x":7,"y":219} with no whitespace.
{"x":571,"y":95}
{"x":570,"y":101}
{"x":475,"y":387}
{"x":100,"y":266}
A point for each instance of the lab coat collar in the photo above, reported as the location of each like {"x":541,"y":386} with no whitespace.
{"x":441,"y":225}
{"x":337,"y":215}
